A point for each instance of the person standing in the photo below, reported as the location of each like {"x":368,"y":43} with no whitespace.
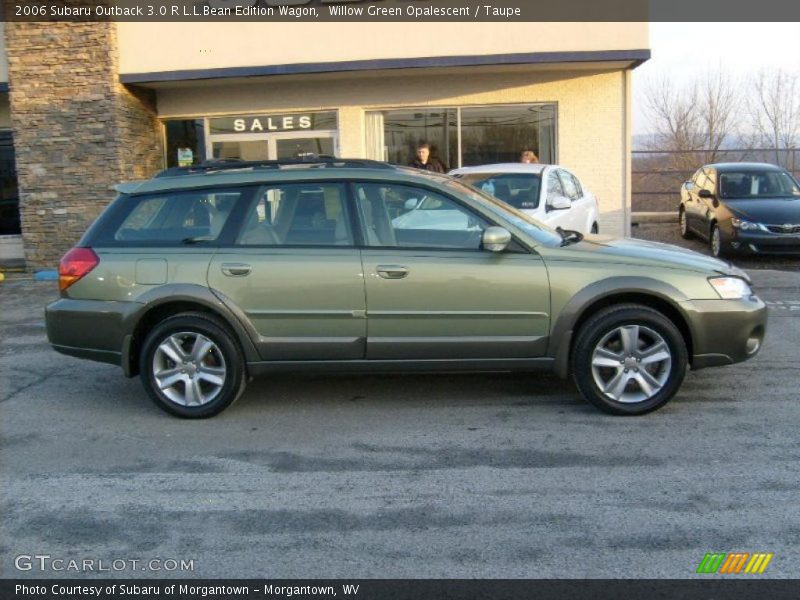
{"x":426,"y":161}
{"x":528,"y":156}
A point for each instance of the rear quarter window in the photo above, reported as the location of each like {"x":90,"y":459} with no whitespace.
{"x":173,"y":217}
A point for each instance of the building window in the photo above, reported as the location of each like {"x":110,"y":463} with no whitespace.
{"x":463,"y":136}
{"x":9,"y":196}
{"x":185,"y":142}
{"x":402,"y":130}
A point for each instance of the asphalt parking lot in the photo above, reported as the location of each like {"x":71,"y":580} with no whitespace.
{"x":398,"y":476}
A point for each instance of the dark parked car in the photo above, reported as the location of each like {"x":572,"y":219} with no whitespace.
{"x":742,"y":207}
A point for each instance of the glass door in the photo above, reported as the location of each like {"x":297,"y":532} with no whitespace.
{"x":302,"y":147}
{"x":273,"y":146}
{"x":240,"y":149}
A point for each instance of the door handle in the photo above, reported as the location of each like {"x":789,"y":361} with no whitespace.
{"x":236,"y":269}
{"x":392,"y":271}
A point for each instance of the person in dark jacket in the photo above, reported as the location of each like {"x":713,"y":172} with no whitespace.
{"x":425,"y":161}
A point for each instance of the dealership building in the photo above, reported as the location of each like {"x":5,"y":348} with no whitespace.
{"x":86,"y":105}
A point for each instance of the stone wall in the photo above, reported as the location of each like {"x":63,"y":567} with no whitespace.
{"x":77,"y":130}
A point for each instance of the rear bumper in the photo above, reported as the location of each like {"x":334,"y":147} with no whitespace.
{"x":91,"y":329}
{"x":725,"y":332}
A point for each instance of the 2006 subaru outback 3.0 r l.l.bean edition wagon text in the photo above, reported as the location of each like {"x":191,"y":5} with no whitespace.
{"x":205,"y":276}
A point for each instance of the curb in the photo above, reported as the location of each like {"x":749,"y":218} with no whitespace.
{"x":45,"y":276}
{"x":653,"y":217}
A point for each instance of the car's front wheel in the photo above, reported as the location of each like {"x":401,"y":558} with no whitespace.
{"x":629,"y":359}
{"x":684,"y":224}
{"x":191,"y":366}
{"x":717,"y":247}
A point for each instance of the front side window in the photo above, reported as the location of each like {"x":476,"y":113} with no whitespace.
{"x":554,"y":187}
{"x":538,"y":230}
{"x":178,"y":217}
{"x":301,"y":214}
{"x":757,"y":184}
{"x":520,"y":190}
{"x":399,"y":216}
{"x":711,"y":180}
{"x":569,"y":185}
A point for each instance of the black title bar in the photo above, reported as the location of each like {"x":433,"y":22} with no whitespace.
{"x":709,"y":588}
{"x":402,"y":10}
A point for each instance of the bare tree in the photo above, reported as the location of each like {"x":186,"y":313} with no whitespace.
{"x":673,"y":116}
{"x":696,"y":118}
{"x":718,"y":111}
{"x":774,"y":110}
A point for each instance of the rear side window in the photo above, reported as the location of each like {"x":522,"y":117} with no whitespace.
{"x":298,"y":214}
{"x":177,"y":217}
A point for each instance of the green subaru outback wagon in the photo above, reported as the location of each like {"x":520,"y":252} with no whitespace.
{"x":204,"y":277}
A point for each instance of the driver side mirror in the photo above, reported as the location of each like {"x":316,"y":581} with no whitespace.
{"x":496,"y":239}
{"x":559,"y":203}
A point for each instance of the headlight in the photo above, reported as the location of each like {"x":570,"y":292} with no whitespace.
{"x":746,"y":225}
{"x":730,"y":288}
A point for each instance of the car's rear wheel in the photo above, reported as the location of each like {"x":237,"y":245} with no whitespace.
{"x":629,"y":359}
{"x":684,"y":224}
{"x":191,"y":366}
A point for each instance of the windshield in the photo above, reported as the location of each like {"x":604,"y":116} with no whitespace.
{"x":536,"y":229}
{"x":757,"y":184}
{"x":520,"y":190}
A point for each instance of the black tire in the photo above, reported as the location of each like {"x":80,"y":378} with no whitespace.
{"x":683,"y":224}
{"x":603,"y":324}
{"x":595,"y":228}
{"x":718,"y":250}
{"x":226,"y":354}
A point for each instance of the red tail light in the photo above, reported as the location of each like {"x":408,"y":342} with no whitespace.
{"x":75,"y":264}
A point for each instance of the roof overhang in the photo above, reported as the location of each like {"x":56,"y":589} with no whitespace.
{"x":629,"y":59}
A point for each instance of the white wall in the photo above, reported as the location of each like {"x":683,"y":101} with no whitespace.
{"x":153,"y":47}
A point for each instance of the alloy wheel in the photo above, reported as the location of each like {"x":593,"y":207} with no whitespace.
{"x":716,"y":242}
{"x":631,"y":364}
{"x":189,"y":369}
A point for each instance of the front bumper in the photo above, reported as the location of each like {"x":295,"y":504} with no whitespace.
{"x":725,"y":332}
{"x":763,"y":242}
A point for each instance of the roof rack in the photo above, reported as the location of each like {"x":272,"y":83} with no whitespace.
{"x":310,"y":161}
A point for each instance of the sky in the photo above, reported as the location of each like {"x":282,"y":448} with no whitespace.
{"x":683,"y":50}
